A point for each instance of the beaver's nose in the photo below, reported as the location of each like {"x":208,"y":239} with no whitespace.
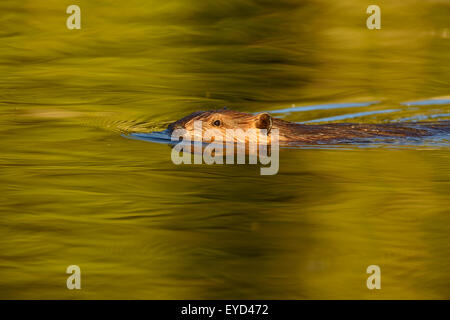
{"x":173,"y":127}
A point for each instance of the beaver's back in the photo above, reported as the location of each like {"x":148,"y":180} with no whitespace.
{"x":291,"y":132}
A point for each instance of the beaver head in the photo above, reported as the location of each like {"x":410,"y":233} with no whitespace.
{"x":222,"y":120}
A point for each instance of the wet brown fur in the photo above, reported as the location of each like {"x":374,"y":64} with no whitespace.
{"x":290,"y":132}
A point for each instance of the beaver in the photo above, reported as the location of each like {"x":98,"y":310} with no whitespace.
{"x":296,"y":133}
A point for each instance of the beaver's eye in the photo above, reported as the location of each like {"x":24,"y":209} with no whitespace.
{"x":216,"y":123}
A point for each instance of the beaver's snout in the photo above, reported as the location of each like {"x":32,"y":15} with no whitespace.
{"x":172,"y":127}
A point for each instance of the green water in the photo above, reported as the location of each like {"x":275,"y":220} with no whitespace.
{"x":75,"y":191}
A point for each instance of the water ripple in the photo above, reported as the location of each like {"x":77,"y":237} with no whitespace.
{"x":327,"y":106}
{"x":427,"y":102}
{"x":352,"y":115}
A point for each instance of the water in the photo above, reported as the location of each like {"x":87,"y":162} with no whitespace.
{"x":75,"y":190}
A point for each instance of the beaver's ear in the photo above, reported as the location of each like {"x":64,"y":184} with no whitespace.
{"x":264,"y":121}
